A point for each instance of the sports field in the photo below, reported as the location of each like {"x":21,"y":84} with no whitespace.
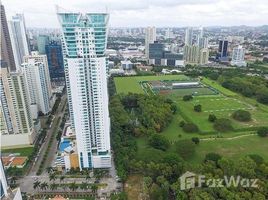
{"x":132,"y":84}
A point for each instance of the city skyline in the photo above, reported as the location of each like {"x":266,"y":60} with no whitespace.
{"x":148,"y":13}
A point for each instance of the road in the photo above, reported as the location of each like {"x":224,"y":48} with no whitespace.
{"x":50,"y":133}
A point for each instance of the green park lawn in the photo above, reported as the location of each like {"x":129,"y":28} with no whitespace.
{"x":222,"y":105}
{"x":218,"y":87}
{"x":131,"y":84}
{"x":26,"y":151}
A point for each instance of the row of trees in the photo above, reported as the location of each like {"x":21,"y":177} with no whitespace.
{"x":161,"y":179}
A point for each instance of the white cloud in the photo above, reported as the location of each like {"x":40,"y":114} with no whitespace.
{"x":42,"y":13}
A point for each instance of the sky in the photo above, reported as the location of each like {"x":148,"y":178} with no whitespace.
{"x":141,"y":13}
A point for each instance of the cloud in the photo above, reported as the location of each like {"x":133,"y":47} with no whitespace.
{"x":130,"y":13}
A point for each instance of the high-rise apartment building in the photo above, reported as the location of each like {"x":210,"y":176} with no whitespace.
{"x":238,"y":57}
{"x":203,"y":56}
{"x":18,"y":38}
{"x":84,"y":45}
{"x":38,"y":82}
{"x":17,"y":125}
{"x":7,"y":58}
{"x":189,"y":36}
{"x":150,"y":37}
{"x":5,"y":191}
{"x":191,"y":54}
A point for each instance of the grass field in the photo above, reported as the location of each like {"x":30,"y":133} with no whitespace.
{"x":222,"y":105}
{"x":131,"y":84}
{"x":218,"y":87}
{"x":22,"y":151}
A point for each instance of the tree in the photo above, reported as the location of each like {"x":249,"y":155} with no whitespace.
{"x":94,"y":189}
{"x":185,"y":148}
{"x":44,"y":186}
{"x":73,"y":186}
{"x":182,"y":123}
{"x":242,"y":115}
{"x":262,"y":131}
{"x":36,"y":184}
{"x":256,"y":158}
{"x":53,"y":186}
{"x":62,"y":178}
{"x":190,"y":128}
{"x":212,"y":118}
{"x":172,"y":159}
{"x":158,"y":141}
{"x":187,"y":97}
{"x":84,"y":186}
{"x":213,"y":157}
{"x":223,"y":125}
{"x":198,"y":108}
{"x":52,"y":177}
{"x":195,"y":140}
{"x":49,"y":170}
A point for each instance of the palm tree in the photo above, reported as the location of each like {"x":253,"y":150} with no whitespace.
{"x":13,"y":180}
{"x":44,"y":186}
{"x":36,"y":184}
{"x":73,"y":186}
{"x":52,"y":177}
{"x":62,"y":178}
{"x":49,"y":169}
{"x":84,"y":186}
{"x":94,"y":189}
{"x":53,"y":186}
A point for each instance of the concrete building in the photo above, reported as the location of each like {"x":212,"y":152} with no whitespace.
{"x":84,"y":45}
{"x":18,"y":38}
{"x":127,"y":64}
{"x":7,"y":58}
{"x":191,"y":54}
{"x":6,"y":193}
{"x":150,"y":37}
{"x":38,"y":82}
{"x":189,"y":36}
{"x":238,"y":57}
{"x":203,"y":56}
{"x":17,"y":125}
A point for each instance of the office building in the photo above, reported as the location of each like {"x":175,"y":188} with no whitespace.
{"x":17,"y":125}
{"x":42,"y":41}
{"x":5,"y":191}
{"x":84,"y":45}
{"x":156,"y":51}
{"x":7,"y":58}
{"x":158,"y":56}
{"x":150,"y":37}
{"x":38,"y":82}
{"x":18,"y":38}
{"x":238,"y":57}
{"x":189,"y":36}
{"x":223,"y":51}
{"x":55,"y":60}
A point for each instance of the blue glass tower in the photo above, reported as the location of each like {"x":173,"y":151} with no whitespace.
{"x":55,"y":60}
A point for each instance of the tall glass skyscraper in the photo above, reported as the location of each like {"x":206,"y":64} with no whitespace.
{"x":84,"y":40}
